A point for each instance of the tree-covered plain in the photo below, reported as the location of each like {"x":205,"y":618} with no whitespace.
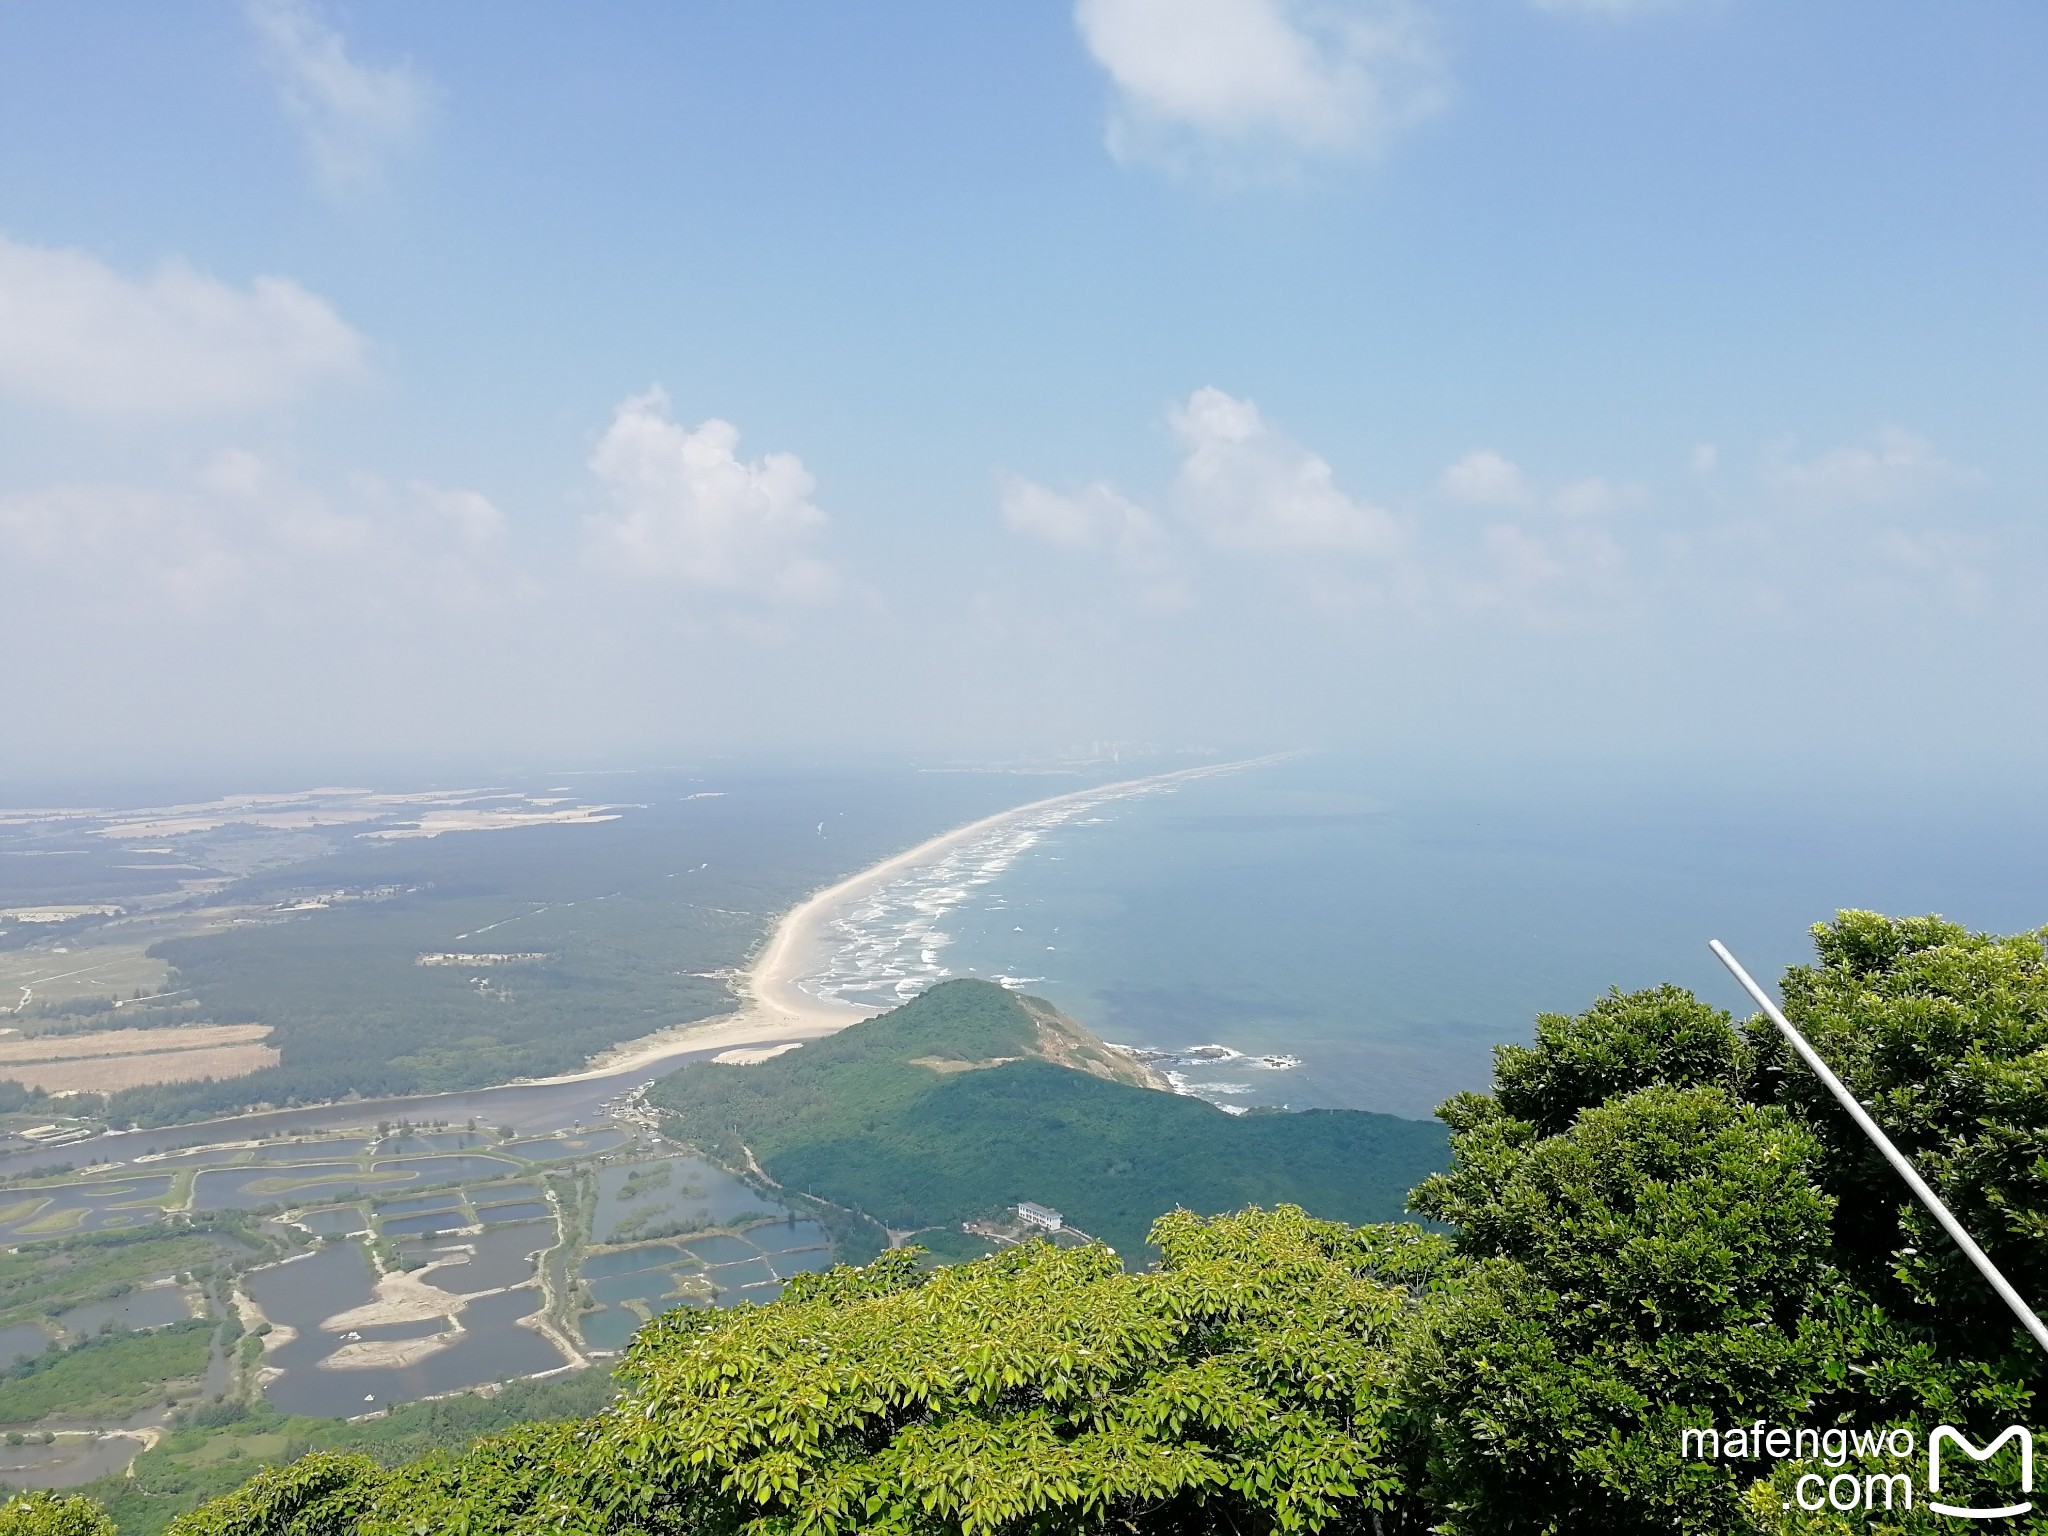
{"x":967,"y":1100}
{"x":638,"y":920}
{"x":1653,"y":1222}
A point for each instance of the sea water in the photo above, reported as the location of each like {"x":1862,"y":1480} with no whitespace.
{"x":1316,"y":932}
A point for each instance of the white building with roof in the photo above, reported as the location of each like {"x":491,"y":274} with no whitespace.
{"x":1032,"y":1214}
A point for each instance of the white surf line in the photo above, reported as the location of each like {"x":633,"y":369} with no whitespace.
{"x":772,"y":979}
{"x":774,"y":1008}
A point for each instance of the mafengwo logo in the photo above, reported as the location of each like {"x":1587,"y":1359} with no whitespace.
{"x":1846,"y":1491}
{"x":1942,"y":1433}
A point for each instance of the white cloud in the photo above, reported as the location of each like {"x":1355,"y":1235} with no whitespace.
{"x":1210,"y":80}
{"x":1100,"y":518}
{"x":1484,"y":478}
{"x":351,"y":116}
{"x":687,"y":508}
{"x":1896,"y":469}
{"x":243,"y":541}
{"x":1596,"y":496}
{"x":1546,"y":578}
{"x":75,"y":333}
{"x":1246,"y":486}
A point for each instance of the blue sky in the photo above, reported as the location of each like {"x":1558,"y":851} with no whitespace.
{"x":406,"y":383}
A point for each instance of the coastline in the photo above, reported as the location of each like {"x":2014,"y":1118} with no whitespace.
{"x":774,"y":1008}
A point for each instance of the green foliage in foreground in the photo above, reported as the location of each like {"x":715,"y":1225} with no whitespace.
{"x":856,"y":1119}
{"x":106,"y":1376}
{"x":218,"y":1447}
{"x":1649,"y":1232}
{"x":1244,"y":1385}
{"x":48,"y":1514}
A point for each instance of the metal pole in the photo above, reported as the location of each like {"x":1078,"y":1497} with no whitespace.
{"x":1883,"y":1143}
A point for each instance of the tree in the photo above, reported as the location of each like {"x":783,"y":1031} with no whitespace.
{"x":1653,"y":1266}
{"x":49,"y":1514}
{"x":1657,"y":1220}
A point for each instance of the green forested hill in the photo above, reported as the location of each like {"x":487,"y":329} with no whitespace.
{"x":1662,"y":1238}
{"x":972,"y":1098}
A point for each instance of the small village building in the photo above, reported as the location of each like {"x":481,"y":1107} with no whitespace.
{"x":1032,"y":1214}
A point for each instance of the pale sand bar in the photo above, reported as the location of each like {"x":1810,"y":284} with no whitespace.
{"x":774,"y":1008}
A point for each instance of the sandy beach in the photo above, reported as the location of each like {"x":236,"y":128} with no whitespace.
{"x":775,"y":1008}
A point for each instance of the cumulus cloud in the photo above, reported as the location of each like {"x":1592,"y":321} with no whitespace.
{"x":1897,"y":468}
{"x":1484,"y":478}
{"x":1596,"y":496}
{"x":75,"y":333}
{"x":351,"y":116}
{"x":1246,"y":486}
{"x":687,"y":508}
{"x":1546,"y":577}
{"x":241,"y":540}
{"x":1224,"y":81}
{"x":1242,"y":489}
{"x":1100,"y":518}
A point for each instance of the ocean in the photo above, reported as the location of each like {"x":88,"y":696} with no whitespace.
{"x":1323,"y":932}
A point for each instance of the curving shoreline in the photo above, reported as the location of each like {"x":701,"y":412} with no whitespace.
{"x":774,"y":1008}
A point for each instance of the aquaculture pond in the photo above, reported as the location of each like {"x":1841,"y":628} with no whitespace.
{"x":127,"y":1191}
{"x":304,"y":1293}
{"x":500,"y":1194}
{"x":449,"y":1201}
{"x":309,"y":1183}
{"x":419,"y":1226}
{"x":523,"y":1210}
{"x":548,"y":1149}
{"x":203,"y":1157}
{"x":155,"y":1307}
{"x":735,"y":1277}
{"x":336,"y":1221}
{"x":307,"y":1151}
{"x":62,"y":1213}
{"x":721,"y":1249}
{"x":663,"y":1196}
{"x":415,"y":1143}
{"x":789,"y":1236}
{"x":649,"y":1286}
{"x":500,"y":1257}
{"x":67,"y":1462}
{"x":611,"y":1329}
{"x":440,"y":1170}
{"x":809,"y":1261}
{"x":627,"y":1282}
{"x":492,"y":1346}
{"x":21,"y":1341}
{"x":626,"y":1261}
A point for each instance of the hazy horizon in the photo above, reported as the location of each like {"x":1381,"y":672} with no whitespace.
{"x":1640,"y":383}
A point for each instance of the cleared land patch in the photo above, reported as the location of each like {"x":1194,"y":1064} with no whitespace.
{"x":108,"y":1061}
{"x":99,"y":970}
{"x":128,"y":1042}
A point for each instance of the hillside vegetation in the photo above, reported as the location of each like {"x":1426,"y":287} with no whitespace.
{"x":972,"y":1098}
{"x":1656,"y":1223}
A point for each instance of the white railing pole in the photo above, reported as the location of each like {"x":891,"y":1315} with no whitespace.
{"x":1883,"y":1143}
